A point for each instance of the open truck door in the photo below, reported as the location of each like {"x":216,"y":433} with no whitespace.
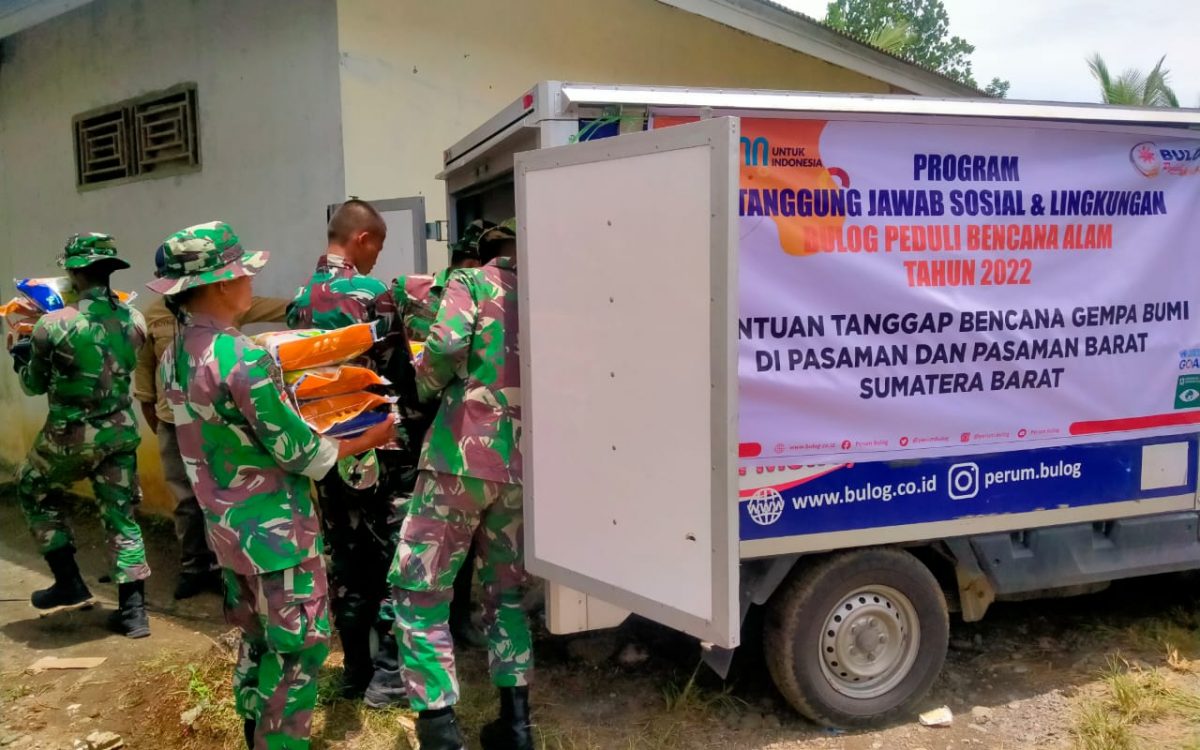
{"x":628,"y":283}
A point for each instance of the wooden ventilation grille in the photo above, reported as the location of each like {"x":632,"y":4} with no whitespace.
{"x":155,"y":135}
{"x":166,"y":132}
{"x":102,"y":147}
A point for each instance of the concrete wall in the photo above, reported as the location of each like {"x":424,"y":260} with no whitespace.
{"x":270,"y":140}
{"x":419,"y":75}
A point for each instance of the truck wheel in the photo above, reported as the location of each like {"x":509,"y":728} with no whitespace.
{"x":857,"y":638}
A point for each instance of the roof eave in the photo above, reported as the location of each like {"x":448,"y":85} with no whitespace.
{"x":28,"y":13}
{"x":802,"y":34}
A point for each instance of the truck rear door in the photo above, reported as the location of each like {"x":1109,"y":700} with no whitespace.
{"x":628,"y":292}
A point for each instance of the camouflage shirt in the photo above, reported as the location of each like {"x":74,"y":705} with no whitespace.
{"x":417,"y":299}
{"x":83,"y":356}
{"x":337,"y":295}
{"x":471,"y":359}
{"x":160,"y":332}
{"x":248,"y":454}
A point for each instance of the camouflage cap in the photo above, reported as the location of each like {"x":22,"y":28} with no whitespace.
{"x":468,"y":244}
{"x":202,"y":254}
{"x":84,"y":250}
{"x":505,"y":230}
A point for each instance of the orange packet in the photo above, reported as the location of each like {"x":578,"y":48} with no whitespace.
{"x":326,"y":413}
{"x":331,"y":380}
{"x":302,"y":350}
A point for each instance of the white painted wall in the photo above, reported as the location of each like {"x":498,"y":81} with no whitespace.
{"x":270,"y":139}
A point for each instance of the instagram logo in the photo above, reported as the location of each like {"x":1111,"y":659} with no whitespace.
{"x":963,"y":481}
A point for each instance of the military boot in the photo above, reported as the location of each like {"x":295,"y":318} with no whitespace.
{"x":387,"y":683}
{"x":68,"y":589}
{"x":129,"y":619}
{"x":439,"y":730}
{"x":248,"y":727}
{"x":512,"y":731}
{"x":357,"y":669}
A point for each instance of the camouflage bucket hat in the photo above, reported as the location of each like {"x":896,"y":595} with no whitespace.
{"x":202,"y":254}
{"x":84,"y":250}
{"x":468,"y":244}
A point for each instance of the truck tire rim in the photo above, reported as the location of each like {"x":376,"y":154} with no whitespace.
{"x":870,"y":642}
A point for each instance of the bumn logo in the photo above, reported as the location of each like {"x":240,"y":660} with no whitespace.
{"x":766,"y":506}
{"x":751,"y":151}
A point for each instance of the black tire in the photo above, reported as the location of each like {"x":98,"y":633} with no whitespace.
{"x":799,"y":647}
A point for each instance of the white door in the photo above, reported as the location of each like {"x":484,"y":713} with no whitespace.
{"x":628,"y":277}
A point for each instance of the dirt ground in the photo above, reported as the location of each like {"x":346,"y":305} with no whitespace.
{"x":1111,"y":670}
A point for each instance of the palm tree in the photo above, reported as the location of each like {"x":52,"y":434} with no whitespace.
{"x":1133,"y":87}
{"x":894,"y":37}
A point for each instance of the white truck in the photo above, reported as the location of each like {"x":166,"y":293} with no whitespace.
{"x":860,"y":360}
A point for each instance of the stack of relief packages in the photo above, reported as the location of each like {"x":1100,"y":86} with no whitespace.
{"x":335,"y":391}
{"x":35,"y":298}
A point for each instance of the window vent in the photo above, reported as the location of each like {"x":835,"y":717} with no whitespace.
{"x":152,"y":136}
{"x":102,"y":151}
{"x":166,"y":132}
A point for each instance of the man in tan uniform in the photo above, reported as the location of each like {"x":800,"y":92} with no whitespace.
{"x":198,"y":570}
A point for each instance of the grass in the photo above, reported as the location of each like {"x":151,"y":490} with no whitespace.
{"x":691,"y":698}
{"x":200,"y":690}
{"x":1137,"y":707}
{"x":14,"y":694}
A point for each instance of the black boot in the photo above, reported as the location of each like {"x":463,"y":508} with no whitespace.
{"x":356,"y":664}
{"x":387,"y":683}
{"x":68,"y":589}
{"x":512,"y":731}
{"x":248,"y":726}
{"x":193,"y":584}
{"x":130,"y":618}
{"x":439,"y":730}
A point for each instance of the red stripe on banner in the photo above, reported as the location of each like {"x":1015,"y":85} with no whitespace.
{"x":749,"y":450}
{"x":1136,"y":423}
{"x":742,"y":494}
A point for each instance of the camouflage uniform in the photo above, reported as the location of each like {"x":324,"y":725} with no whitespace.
{"x":417,"y":299}
{"x":361,"y":526}
{"x":82,"y":357}
{"x":196,"y":560}
{"x":249,"y":458}
{"x":469,"y":487}
{"x":419,"y":295}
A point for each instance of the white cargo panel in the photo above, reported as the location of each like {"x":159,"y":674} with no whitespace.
{"x":627,"y":275}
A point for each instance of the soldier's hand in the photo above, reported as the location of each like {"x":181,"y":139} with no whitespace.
{"x":381,"y":434}
{"x":21,"y":352}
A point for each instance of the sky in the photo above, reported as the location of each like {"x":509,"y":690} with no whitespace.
{"x":1041,"y":46}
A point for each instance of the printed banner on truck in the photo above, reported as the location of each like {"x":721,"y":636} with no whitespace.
{"x":918,"y":289}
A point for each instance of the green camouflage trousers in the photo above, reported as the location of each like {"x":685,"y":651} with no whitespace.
{"x":107,"y":456}
{"x":284,"y":619}
{"x":446,"y":512}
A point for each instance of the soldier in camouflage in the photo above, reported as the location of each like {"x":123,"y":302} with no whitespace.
{"x":418,"y":297}
{"x":249,"y":458}
{"x":469,"y":488}
{"x":361,"y":525}
{"x":198,"y":570}
{"x":81,"y":357}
